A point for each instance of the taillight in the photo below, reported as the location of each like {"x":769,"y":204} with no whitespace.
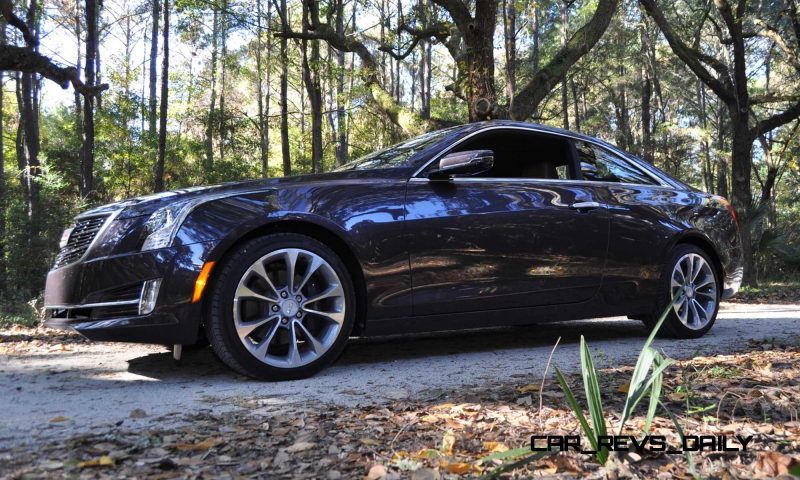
{"x":728,"y":205}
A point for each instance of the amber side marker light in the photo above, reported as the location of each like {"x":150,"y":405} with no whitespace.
{"x":202,"y":280}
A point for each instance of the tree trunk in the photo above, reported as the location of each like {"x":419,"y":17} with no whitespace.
{"x":564,"y":36}
{"x":479,"y":58}
{"x":2,"y":176}
{"x":87,"y":152}
{"x":312,"y":83}
{"x":575,"y":108}
{"x":341,"y":140}
{"x":284,"y":81}
{"x":708,"y":170}
{"x":535,"y":34}
{"x":722,"y":163}
{"x":223,"y":120}
{"x":212,"y":117}
{"x":647,"y":93}
{"x":399,"y":62}
{"x":153,"y":100}
{"x":510,"y":32}
{"x":262,"y":121}
{"x":162,"y":121}
{"x":741,"y":194}
{"x":79,"y":54}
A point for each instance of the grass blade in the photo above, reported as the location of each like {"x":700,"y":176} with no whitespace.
{"x":507,"y":467}
{"x":593,"y":397}
{"x":643,"y":365}
{"x":689,"y":457}
{"x":573,"y":404}
{"x":641,"y":390}
{"x":513,"y":453}
{"x":655,"y":393}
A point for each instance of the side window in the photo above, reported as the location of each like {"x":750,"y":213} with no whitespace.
{"x":522,"y":154}
{"x":599,"y":164}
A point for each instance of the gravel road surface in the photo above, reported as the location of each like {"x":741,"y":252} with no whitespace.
{"x":94,"y":386}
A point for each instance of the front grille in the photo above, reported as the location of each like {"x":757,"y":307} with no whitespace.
{"x":81,"y":237}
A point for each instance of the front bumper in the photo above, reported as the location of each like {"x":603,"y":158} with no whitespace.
{"x":100,"y":298}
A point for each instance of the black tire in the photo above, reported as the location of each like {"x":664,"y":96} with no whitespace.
{"x":673,"y":327}
{"x":220,"y":323}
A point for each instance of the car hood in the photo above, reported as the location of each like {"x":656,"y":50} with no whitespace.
{"x":147,"y":204}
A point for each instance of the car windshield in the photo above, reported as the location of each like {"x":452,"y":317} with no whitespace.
{"x":396,"y":155}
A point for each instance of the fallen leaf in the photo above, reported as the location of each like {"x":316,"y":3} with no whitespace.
{"x":773,"y":464}
{"x":376,"y":472}
{"x":528,"y":388}
{"x":104,"y":461}
{"x":51,"y":465}
{"x":427,"y":453}
{"x":448,"y":442}
{"x":624,"y":388}
{"x":369,"y":441}
{"x":300,"y":447}
{"x":458,"y":468}
{"x":204,"y":445}
{"x":493,"y":447}
{"x":58,"y":419}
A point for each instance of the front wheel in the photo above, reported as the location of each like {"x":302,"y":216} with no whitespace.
{"x":691,"y":276}
{"x":281,"y":307}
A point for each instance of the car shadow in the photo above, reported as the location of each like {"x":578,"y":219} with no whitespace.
{"x":201,"y":362}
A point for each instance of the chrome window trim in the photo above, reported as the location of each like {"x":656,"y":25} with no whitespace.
{"x":118,"y":303}
{"x":660,"y":181}
{"x":106,"y":225}
{"x":536,"y":181}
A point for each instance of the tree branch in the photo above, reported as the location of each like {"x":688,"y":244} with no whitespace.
{"x":771,"y":33}
{"x":458,"y":10}
{"x":25,"y":59}
{"x":440,"y":31}
{"x":7,"y":10}
{"x":409,"y":121}
{"x":722,"y":88}
{"x":777,"y":120}
{"x":543,"y":81}
{"x":774,"y":98}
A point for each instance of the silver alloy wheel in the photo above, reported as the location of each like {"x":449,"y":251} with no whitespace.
{"x":694,"y":277}
{"x":289,"y":307}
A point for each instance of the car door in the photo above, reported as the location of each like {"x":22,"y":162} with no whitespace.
{"x":638,"y":204}
{"x":491,"y":243}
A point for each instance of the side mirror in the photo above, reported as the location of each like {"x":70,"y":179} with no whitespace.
{"x":589,"y":171}
{"x":470,"y":162}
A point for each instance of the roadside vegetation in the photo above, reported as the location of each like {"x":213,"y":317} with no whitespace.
{"x":750,"y":392}
{"x":167,"y":94}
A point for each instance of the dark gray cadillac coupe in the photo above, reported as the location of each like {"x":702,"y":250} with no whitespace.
{"x":495,"y":223}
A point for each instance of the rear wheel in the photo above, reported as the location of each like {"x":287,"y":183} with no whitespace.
{"x":691,"y":275}
{"x":281,"y":307}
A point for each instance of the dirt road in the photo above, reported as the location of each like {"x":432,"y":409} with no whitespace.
{"x":93,"y":386}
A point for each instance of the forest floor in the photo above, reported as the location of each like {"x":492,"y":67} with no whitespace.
{"x":423,"y":406}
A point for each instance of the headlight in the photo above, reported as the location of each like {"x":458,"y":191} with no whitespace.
{"x":164,"y":223}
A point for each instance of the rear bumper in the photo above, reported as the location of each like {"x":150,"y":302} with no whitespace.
{"x":101,"y":298}
{"x":732,"y":283}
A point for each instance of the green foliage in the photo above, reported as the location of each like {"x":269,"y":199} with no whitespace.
{"x":647,"y":378}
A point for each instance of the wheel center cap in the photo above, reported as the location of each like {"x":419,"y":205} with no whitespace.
{"x":689,"y":291}
{"x":289,"y":307}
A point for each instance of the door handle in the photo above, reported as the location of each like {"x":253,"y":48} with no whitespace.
{"x":584,"y":206}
